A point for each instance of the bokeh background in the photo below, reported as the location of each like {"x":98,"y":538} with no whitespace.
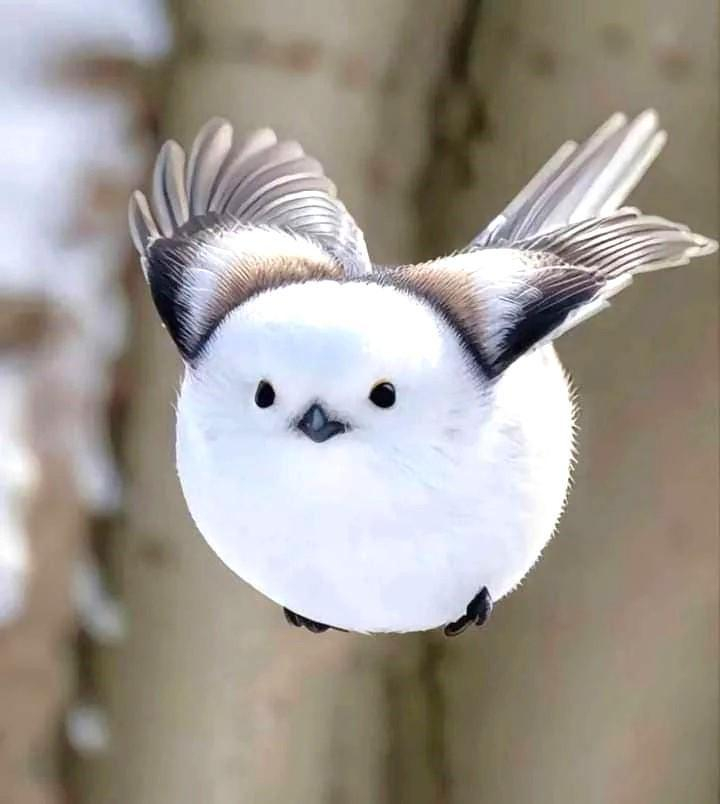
{"x":134,"y":669}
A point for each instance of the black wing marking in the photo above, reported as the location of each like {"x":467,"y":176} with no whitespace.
{"x":505,"y":301}
{"x":501,"y":311}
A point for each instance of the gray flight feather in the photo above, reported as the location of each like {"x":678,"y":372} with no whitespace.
{"x":143,"y":228}
{"x":171,"y":203}
{"x":261,"y":182}
{"x":581,"y":181}
{"x":624,"y":242}
{"x":207,"y":156}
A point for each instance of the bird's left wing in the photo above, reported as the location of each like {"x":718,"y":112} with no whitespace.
{"x":560,"y":250}
{"x":580,"y":181}
{"x":235,"y":218}
{"x":505,"y":301}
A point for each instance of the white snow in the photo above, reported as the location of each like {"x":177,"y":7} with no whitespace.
{"x":18,"y":477}
{"x":87,"y":728}
{"x":56,"y":139}
{"x":100,"y":614}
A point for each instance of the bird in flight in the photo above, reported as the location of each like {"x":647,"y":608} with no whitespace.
{"x":383,"y":448}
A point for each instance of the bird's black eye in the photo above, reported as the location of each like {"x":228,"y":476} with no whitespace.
{"x":264,"y":395}
{"x":383,"y":395}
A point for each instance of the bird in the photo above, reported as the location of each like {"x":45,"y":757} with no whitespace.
{"x":383,"y":449}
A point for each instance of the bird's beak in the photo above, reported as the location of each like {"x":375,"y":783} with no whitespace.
{"x":316,"y":425}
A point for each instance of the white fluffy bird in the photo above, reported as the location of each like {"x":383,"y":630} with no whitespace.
{"x":383,"y":448}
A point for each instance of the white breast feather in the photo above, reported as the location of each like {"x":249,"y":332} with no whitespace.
{"x":384,"y":539}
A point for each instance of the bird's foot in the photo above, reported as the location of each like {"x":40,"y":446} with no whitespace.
{"x":302,"y":622}
{"x":477,"y":613}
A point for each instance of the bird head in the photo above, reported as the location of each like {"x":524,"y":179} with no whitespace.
{"x":318,"y":367}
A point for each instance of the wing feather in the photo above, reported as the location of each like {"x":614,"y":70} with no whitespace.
{"x":580,"y":181}
{"x":234,"y":218}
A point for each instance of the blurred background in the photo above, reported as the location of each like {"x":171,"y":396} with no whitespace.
{"x":134,"y":669}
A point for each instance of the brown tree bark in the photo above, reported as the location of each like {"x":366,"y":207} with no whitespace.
{"x":36,"y":639}
{"x":60,"y":328}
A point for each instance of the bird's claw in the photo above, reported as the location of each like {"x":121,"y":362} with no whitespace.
{"x":477,"y":613}
{"x":302,"y":622}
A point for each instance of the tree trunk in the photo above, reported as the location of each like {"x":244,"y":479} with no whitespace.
{"x":65,"y":160}
{"x":42,"y":524}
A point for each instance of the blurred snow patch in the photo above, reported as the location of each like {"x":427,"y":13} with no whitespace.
{"x":40,"y":31}
{"x":18,"y":476}
{"x":100,"y":614}
{"x":68,"y":160}
{"x":87,"y":729}
{"x":59,"y":145}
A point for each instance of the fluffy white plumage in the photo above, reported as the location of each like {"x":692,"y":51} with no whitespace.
{"x":387,"y":513}
{"x":397,"y":524}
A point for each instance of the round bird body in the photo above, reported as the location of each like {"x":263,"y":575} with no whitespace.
{"x":383,"y":448}
{"x":398,"y":522}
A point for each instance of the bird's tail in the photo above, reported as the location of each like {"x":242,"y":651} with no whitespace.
{"x":580,"y":182}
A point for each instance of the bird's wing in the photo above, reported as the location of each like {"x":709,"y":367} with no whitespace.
{"x":505,"y":301}
{"x":559,"y":251}
{"x":579,"y":182}
{"x":231,"y":217}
